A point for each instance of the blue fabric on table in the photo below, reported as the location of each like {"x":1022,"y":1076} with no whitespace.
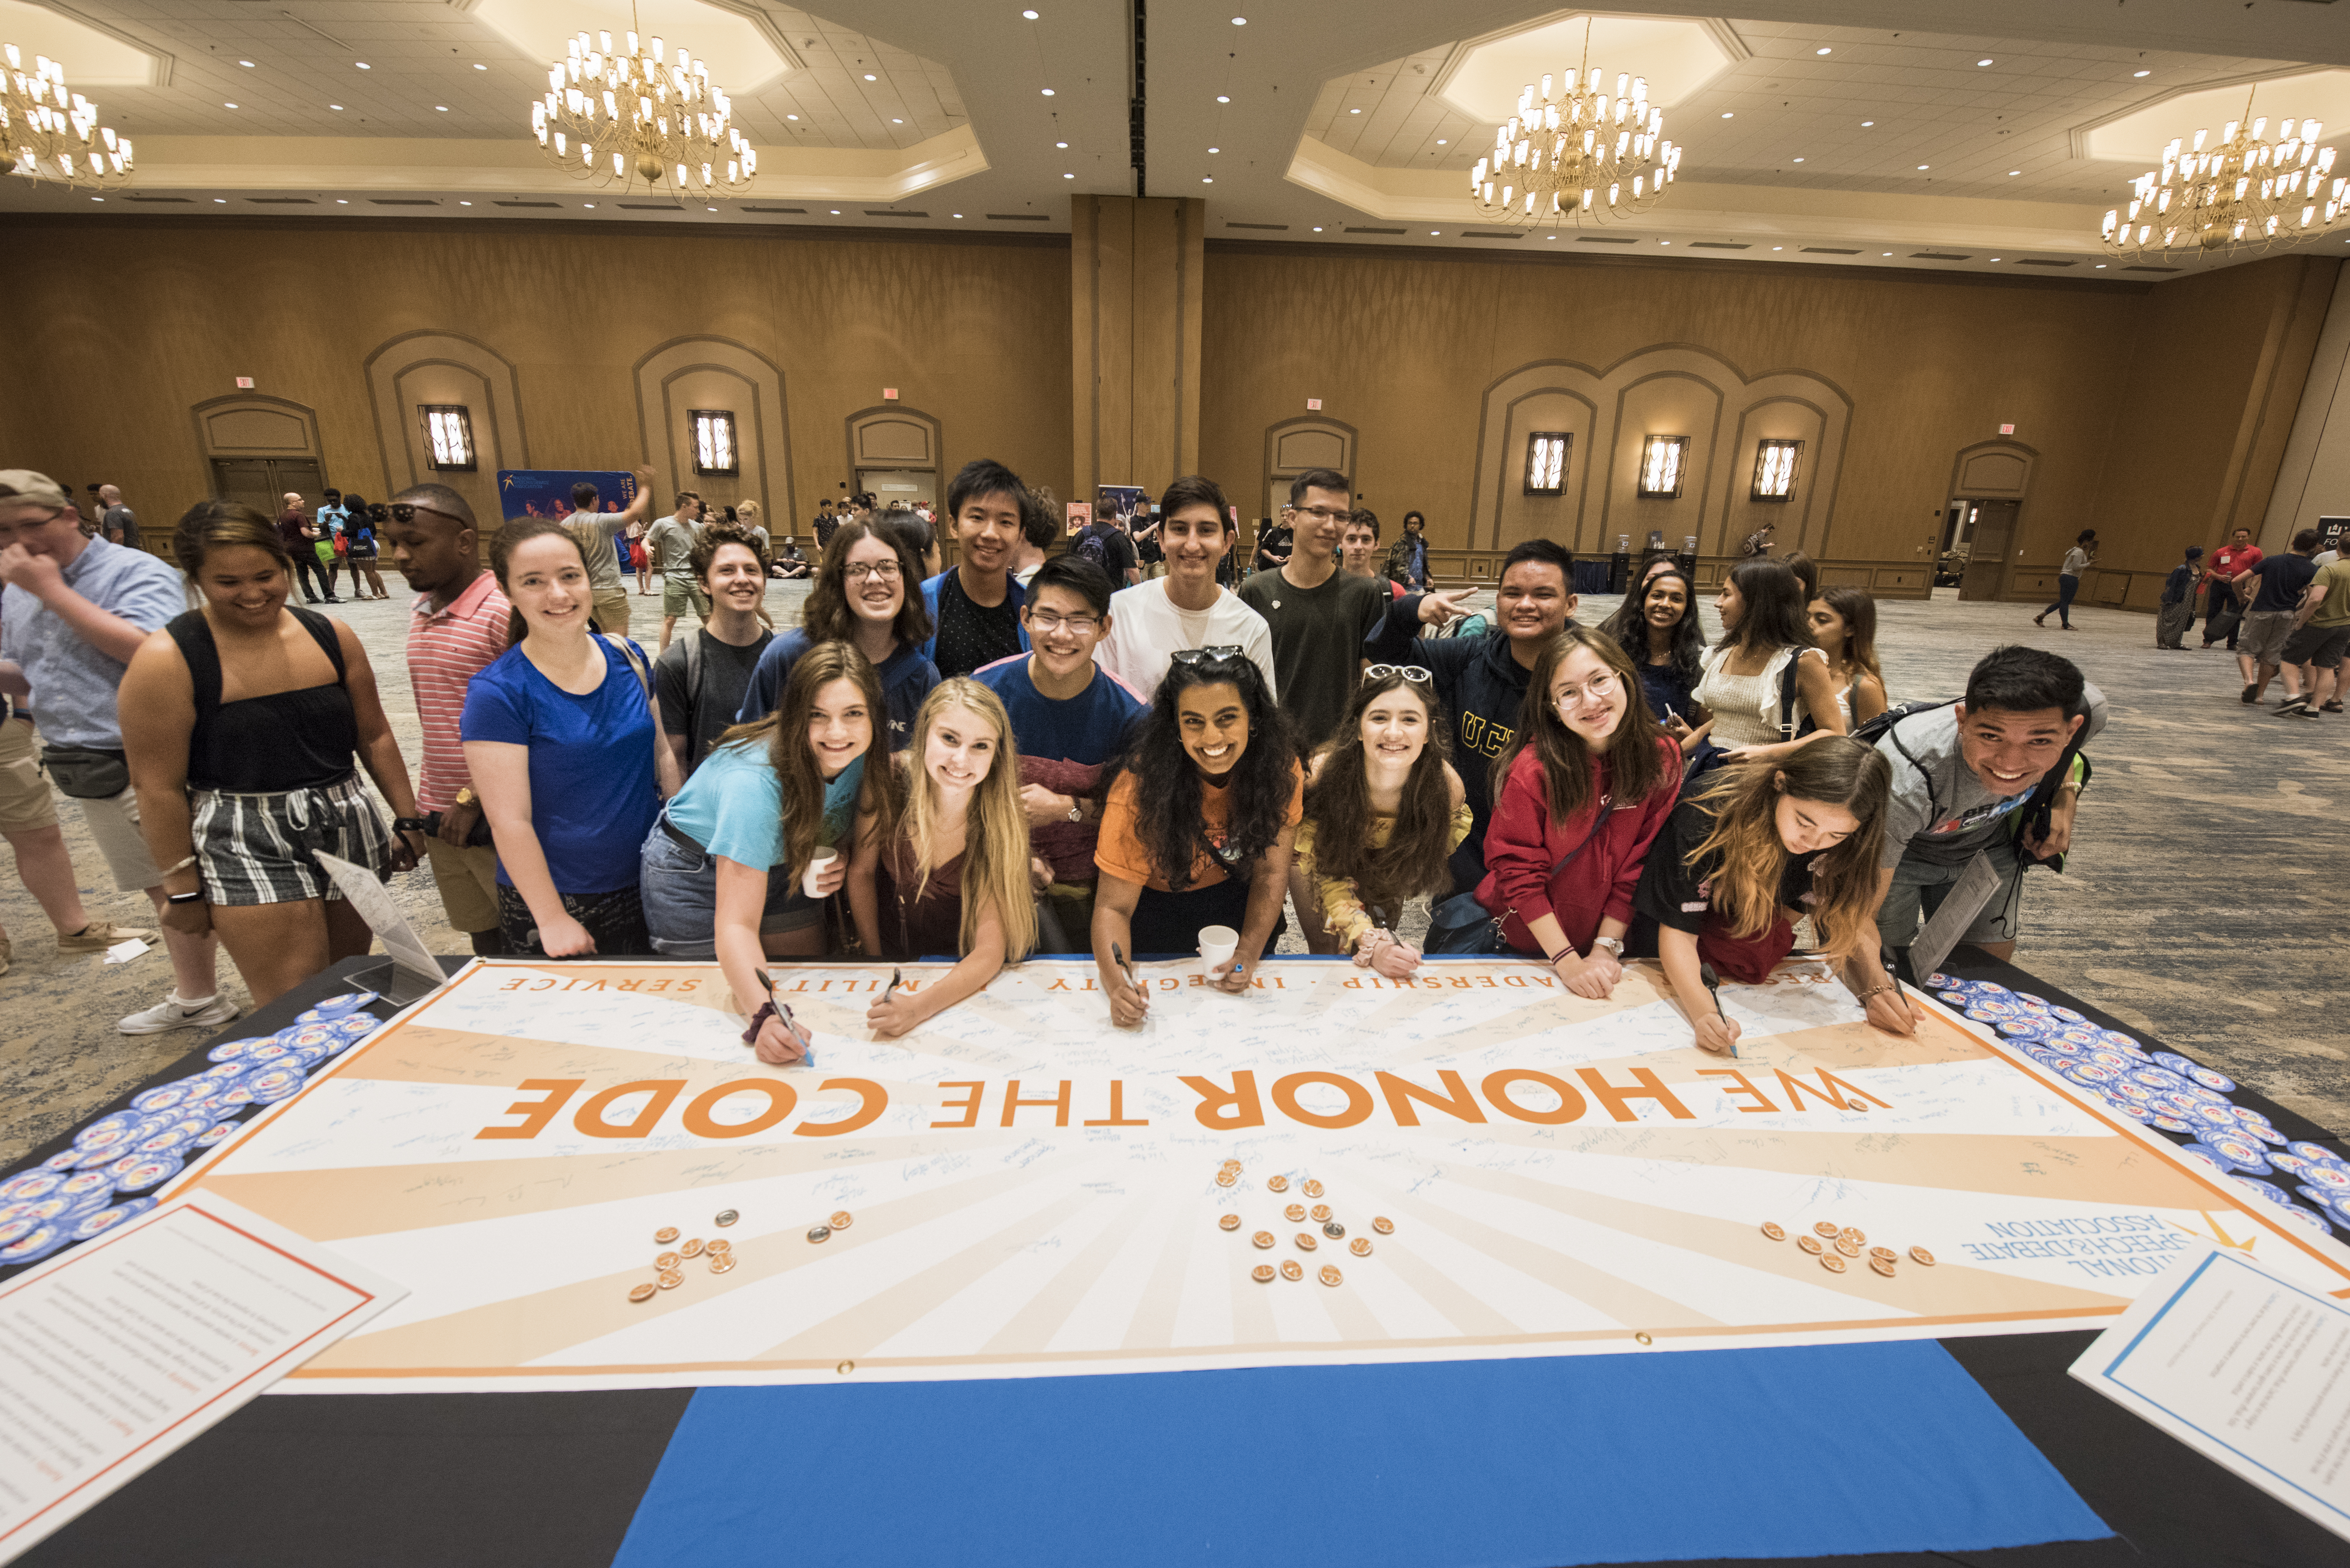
{"x":1806,"y":1451}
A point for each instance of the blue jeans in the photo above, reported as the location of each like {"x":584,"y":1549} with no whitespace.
{"x":2066,"y":586}
{"x":680,"y":898}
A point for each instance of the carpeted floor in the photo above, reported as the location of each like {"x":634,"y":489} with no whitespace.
{"x":2203,"y":903}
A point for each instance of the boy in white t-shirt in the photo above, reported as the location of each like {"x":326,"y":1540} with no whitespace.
{"x":1186,"y":607}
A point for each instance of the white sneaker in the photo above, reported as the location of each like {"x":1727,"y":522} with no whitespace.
{"x":173,"y":1013}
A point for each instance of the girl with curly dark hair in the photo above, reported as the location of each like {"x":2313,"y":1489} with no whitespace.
{"x":1197,"y":828}
{"x":1658,"y":625}
{"x":1384,"y":811}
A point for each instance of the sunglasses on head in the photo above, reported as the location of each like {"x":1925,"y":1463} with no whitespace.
{"x":404,"y":512}
{"x":1215,"y":653}
{"x":1411,"y":672}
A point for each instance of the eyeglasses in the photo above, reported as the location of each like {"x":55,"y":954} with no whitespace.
{"x":1599,"y":689}
{"x":1325,"y":513}
{"x":1411,"y":672}
{"x":1215,"y":653}
{"x":404,"y":512}
{"x":857,"y":571}
{"x":1047,"y":621}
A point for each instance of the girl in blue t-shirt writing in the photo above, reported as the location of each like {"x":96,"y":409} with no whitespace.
{"x":563,"y":739}
{"x":771,"y":813}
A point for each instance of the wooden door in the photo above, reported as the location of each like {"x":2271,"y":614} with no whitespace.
{"x":1994,"y":533}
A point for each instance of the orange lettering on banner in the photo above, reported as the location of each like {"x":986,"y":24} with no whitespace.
{"x":535,"y":1114}
{"x":1828,"y":1090}
{"x":1761,"y":1101}
{"x":1401,"y":1092}
{"x":590,"y":1119}
{"x":1116,"y":1117}
{"x":877,"y":1100}
{"x":1060,"y":1103}
{"x":970,"y":1107}
{"x":781,"y":1098}
{"x":1650,"y":1087}
{"x":1358,"y":1099}
{"x":1227,"y":1110}
{"x":1571,"y":1105}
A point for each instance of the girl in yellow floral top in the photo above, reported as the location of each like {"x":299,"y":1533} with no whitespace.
{"x":1383,"y":812}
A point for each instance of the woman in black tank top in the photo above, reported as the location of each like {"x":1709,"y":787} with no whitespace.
{"x":243,"y":722}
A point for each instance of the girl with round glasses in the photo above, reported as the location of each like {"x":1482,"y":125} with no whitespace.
{"x":1588,"y":782}
{"x":1384,"y":811}
{"x":867,"y":593}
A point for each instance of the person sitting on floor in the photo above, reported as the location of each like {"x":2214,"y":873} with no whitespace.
{"x":1383,"y":812}
{"x":1199,"y":824}
{"x":1761,"y":847}
{"x":956,"y":876}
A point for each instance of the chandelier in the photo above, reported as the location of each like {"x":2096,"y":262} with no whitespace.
{"x":1578,"y":154}
{"x":48,"y":133}
{"x":608,"y":117}
{"x":2243,"y":195}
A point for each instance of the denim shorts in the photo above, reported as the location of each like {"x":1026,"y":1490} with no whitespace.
{"x":680,"y":891}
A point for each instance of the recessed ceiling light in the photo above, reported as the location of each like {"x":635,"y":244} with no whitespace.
{"x":897,"y":122}
{"x":1887,"y":253}
{"x":1048,"y":92}
{"x":464,"y":204}
{"x":1435,"y":234}
{"x":1823,"y":51}
{"x":346,"y":201}
{"x":1994,"y":258}
{"x":791,"y":116}
{"x":1207,"y":182}
{"x":1068,"y":176}
{"x":1060,"y":144}
{"x":2134,"y":74}
{"x":1240,"y":21}
{"x":591,"y":206}
{"x":1778,"y":247}
{"x":1317,"y":228}
{"x":363,"y":64}
{"x":1727,"y":115}
{"x":1982,"y":62}
{"x":1354,"y":112}
{"x":2101,"y":267}
{"x":247,"y":64}
{"x":836,"y":212}
{"x":1440,"y":142}
{"x":871,"y":77}
{"x":98,"y":198}
{"x":714,"y":208}
{"x":1664,"y":241}
{"x":228,"y":105}
{"x":1222,"y":99}
{"x":958,"y":214}
{"x":479,"y":67}
{"x":440,"y":109}
{"x":1867,"y":123}
{"x":221,"y":200}
{"x":1215,"y":149}
{"x":1923,"y":166}
{"x":1799,"y":161}
{"x":2014,"y":173}
{"x":1030,"y":15}
{"x":336,"y":106}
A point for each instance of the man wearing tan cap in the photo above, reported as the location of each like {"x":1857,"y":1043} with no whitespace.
{"x":72,"y":612}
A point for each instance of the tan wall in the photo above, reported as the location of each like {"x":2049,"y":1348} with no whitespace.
{"x":143,"y":319}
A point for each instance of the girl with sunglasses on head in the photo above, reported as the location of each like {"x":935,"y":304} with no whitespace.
{"x":1844,"y":623}
{"x":1384,"y":811}
{"x":1658,"y":626}
{"x":867,"y":593}
{"x":1762,"y":845}
{"x":1764,"y":629}
{"x":1198,"y":825}
{"x":954,"y":875}
{"x":1588,"y":782}
{"x":724,"y":869}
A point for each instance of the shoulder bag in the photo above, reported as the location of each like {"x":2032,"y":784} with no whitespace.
{"x":1463,"y":926}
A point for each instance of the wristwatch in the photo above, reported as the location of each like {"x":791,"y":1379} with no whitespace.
{"x":465,"y":796}
{"x":1077,"y":810}
{"x":1615,"y":947}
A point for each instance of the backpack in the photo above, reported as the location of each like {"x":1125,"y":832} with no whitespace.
{"x":2032,"y":820}
{"x":1091,"y":546}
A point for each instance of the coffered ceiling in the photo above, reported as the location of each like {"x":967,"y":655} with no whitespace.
{"x":1821,"y":132}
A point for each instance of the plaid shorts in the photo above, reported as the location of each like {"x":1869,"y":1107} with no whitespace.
{"x":264,"y":848}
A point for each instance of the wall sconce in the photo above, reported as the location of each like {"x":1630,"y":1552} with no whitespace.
{"x":1661,"y":466}
{"x":1546,"y":462}
{"x":714,"y":442}
{"x":449,"y":438}
{"x":1774,"y":468}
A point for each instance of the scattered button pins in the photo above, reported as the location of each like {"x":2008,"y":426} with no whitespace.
{"x":1882,"y":1265}
{"x":1225,"y":1178}
{"x":1845,"y":1245}
{"x":1855,"y":1235}
{"x":720,"y":1262}
{"x":1332,"y":1229}
{"x":1643,"y":1337}
{"x":1922,"y":1256}
{"x":1331,"y":1276}
{"x":1827,"y":1229}
{"x":1321,"y":1212}
{"x":1306,"y":1242}
{"x":691,"y":1248}
{"x":820,"y":1233}
{"x":719,"y":1249}
{"x":1832,"y":1262}
{"x":643,"y":1292}
{"x":1230,"y":1222}
{"x":842,"y":1219}
{"x":665,"y":1235}
{"x":726,"y":1217}
{"x":666,"y":1261}
{"x":1276,"y":1184}
{"x":1771,"y":1229}
{"x":1312,"y":1190}
{"x":1291,"y":1270}
{"x":1360,"y":1246}
{"x":1294,"y":1213}
{"x":1263,"y":1274}
{"x":670,"y":1279}
{"x":1810,"y":1244}
{"x":1884,"y":1254}
{"x":1263,"y":1238}
{"x":845,"y":1368}
{"x":1383,"y":1225}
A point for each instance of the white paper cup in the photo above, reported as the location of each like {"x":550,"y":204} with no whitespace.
{"x":1217,"y":945}
{"x":818,"y":865}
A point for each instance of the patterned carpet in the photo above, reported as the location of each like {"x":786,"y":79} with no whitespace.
{"x":2203,"y":903}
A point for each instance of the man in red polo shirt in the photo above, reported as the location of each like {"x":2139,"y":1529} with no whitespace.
{"x":456,"y":627}
{"x":2230,"y":561}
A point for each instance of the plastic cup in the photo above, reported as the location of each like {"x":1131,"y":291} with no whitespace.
{"x":1217,"y":945}
{"x":818,"y":864}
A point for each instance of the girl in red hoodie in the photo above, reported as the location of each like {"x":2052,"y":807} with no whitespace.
{"x":1588,"y":782}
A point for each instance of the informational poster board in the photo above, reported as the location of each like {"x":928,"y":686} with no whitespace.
{"x":547,"y":492}
{"x":1028,"y":1191}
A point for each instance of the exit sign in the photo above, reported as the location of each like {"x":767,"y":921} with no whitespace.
{"x":889,"y":394}
{"x":244,"y":383}
{"x":1314,"y":405}
{"x":2007,"y":430}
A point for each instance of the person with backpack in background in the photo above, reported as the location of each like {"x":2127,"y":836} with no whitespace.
{"x":1766,"y":683}
{"x":1105,"y":546}
{"x":1998,"y":776}
{"x":361,"y":550}
{"x":702,"y":676}
{"x":2177,"y":611}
